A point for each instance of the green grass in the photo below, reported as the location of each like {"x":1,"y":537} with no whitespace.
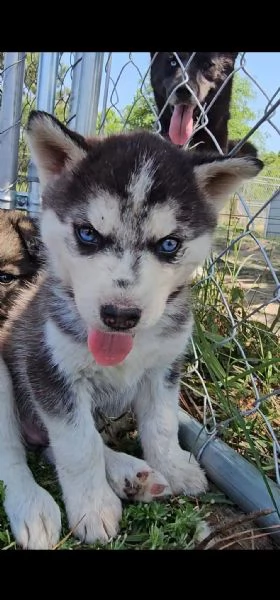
{"x":175,"y":524}
{"x":227,"y":374}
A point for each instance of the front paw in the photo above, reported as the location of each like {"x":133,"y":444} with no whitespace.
{"x":133,"y":479}
{"x":183,"y":474}
{"x":94,"y":515}
{"x":34,"y":517}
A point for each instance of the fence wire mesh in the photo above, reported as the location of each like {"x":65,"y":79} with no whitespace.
{"x":28,"y":104}
{"x":61,"y":104}
{"x":232,"y":382}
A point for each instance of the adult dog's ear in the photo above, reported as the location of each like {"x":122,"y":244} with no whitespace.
{"x":230,"y":57}
{"x":233,"y":55}
{"x":53,"y":146}
{"x":217,"y":178}
{"x":248,"y":149}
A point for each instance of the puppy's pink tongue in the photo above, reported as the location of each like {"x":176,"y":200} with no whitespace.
{"x":181,"y":124}
{"x":109,"y":349}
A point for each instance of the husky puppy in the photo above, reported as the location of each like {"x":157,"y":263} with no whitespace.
{"x":125,"y":221}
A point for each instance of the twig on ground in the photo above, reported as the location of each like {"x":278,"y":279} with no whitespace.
{"x":233,"y":523}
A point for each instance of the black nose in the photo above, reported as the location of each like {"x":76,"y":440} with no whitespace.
{"x":119,"y":318}
{"x":183,"y":94}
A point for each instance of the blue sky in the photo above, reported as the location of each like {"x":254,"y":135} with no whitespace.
{"x":262,"y":66}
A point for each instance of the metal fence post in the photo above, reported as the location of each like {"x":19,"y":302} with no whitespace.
{"x":105,"y":93}
{"x":89,"y":92}
{"x":46,"y":88}
{"x":74,"y":96}
{"x":10,"y":117}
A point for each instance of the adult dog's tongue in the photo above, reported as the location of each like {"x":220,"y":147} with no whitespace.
{"x":181,"y":124}
{"x":109,"y":349}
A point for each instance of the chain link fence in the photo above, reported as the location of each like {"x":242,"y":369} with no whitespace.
{"x":231,"y":384}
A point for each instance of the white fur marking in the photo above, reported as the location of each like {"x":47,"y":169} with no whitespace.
{"x":141,"y":181}
{"x":161,"y":221}
{"x":156,"y":408}
{"x":93,"y":509}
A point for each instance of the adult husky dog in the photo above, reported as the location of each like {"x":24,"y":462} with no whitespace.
{"x":125,"y":221}
{"x":209,"y":80}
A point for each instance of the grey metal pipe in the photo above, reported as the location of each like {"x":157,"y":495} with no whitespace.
{"x":47,"y":76}
{"x":106,"y":91}
{"x":10,"y":117}
{"x":45,"y":100}
{"x":233,"y":474}
{"x":89,"y":92}
{"x":74,"y":96}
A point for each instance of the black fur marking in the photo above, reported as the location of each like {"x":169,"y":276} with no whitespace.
{"x":177,"y":312}
{"x":53,"y":392}
{"x":122,"y":283}
{"x":65,"y":314}
{"x":174,"y":322}
{"x":136,"y":267}
{"x":172,"y":376}
{"x":175,"y":294}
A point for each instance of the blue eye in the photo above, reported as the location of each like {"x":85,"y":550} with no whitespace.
{"x":87,"y":235}
{"x":168,"y":246}
{"x":7,"y":277}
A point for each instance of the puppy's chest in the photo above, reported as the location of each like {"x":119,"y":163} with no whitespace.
{"x":110,"y":389}
{"x":108,"y":392}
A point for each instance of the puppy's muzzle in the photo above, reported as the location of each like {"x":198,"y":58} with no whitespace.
{"x":119,"y":319}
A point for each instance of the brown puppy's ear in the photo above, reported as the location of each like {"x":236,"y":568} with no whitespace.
{"x":53,"y":146}
{"x":218,"y":179}
{"x":29,"y":232}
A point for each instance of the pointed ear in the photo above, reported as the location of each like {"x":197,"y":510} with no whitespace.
{"x":29,"y":232}
{"x":53,"y":146}
{"x":233,"y":55}
{"x":218,"y":179}
{"x":248,"y":149}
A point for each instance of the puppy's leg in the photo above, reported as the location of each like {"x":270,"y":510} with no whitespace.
{"x":132,"y":478}
{"x":156,"y":408}
{"x":129,"y":477}
{"x":93,"y":509}
{"x":32,"y":512}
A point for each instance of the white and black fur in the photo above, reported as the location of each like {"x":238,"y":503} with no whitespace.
{"x":135,"y":190}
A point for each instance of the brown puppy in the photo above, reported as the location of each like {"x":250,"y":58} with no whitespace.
{"x":20,"y":256}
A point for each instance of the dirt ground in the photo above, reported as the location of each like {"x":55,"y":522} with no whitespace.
{"x":241,"y":536}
